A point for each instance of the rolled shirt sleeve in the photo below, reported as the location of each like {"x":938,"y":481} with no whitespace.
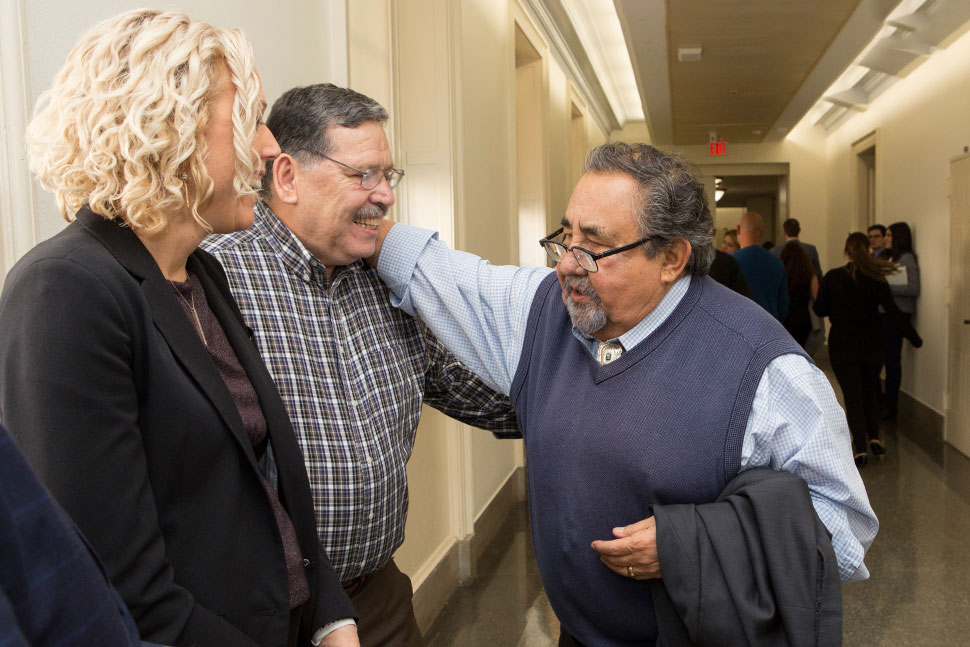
{"x":796,"y":425}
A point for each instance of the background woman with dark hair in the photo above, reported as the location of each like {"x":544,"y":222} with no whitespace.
{"x":899,"y":242}
{"x":802,"y":287}
{"x":850,"y":296}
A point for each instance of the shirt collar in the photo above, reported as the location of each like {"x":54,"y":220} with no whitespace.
{"x":295,"y":256}
{"x":648,"y":324}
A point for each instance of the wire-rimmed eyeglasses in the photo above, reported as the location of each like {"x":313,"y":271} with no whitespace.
{"x":370,"y":178}
{"x":586,"y":259}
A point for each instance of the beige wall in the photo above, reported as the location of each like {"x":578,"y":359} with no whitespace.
{"x":49,"y":29}
{"x":635,"y":131}
{"x":921,"y":123}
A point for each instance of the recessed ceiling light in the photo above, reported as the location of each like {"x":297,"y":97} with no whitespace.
{"x":756,"y":131}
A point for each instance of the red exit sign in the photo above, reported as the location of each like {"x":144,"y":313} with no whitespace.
{"x":718,"y":148}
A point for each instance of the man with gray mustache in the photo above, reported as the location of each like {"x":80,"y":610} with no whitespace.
{"x":588,"y":317}
{"x":353,"y":371}
{"x":641,"y":384}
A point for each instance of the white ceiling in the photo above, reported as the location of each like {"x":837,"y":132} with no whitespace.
{"x":765,"y":64}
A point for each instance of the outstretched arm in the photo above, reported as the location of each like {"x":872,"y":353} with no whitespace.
{"x":477,"y":310}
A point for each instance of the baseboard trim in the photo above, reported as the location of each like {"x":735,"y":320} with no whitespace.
{"x":437,"y":588}
{"x":490,"y":520}
{"x":459,"y":564}
{"x":918,"y":419}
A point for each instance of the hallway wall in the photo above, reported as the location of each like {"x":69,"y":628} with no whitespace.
{"x":412,"y":56}
{"x":33,"y":53}
{"x":921,"y":123}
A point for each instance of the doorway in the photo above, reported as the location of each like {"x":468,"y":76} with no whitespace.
{"x":958,"y":383}
{"x":864,"y":154}
{"x":529,"y":149}
{"x":734,"y":189}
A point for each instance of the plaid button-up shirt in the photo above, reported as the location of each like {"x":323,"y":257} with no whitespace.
{"x":353,"y":372}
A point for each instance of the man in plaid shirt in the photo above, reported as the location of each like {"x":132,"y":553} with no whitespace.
{"x":352,"y":370}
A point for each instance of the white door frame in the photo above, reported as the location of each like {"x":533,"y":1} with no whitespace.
{"x":18,"y":228}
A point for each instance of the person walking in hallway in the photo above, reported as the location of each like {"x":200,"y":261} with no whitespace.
{"x":904,"y":286}
{"x":851,"y":296}
{"x":793,"y":229}
{"x":730,"y":244}
{"x":877,"y":241}
{"x":726,"y":271}
{"x":764,"y":273}
{"x":802,"y":290}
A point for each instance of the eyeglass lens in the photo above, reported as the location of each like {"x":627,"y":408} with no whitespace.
{"x":372,"y":178}
{"x":556,"y":250}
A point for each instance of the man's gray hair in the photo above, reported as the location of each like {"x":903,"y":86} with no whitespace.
{"x":301,"y":120}
{"x":673,"y":202}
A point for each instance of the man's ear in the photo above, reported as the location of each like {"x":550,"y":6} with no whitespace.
{"x":675,"y":257}
{"x":285,"y":179}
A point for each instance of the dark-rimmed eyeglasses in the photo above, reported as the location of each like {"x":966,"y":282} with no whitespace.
{"x":369,"y":179}
{"x":586,"y":259}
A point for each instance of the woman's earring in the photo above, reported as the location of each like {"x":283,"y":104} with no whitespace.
{"x":184,"y":175}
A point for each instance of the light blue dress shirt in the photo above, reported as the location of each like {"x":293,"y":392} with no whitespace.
{"x":479,"y":311}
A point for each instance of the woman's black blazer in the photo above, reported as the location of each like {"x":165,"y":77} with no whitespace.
{"x":122,"y":413}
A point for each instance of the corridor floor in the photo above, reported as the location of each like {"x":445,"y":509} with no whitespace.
{"x":918,"y":593}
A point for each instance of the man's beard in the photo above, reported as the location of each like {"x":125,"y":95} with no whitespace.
{"x":586,"y":317}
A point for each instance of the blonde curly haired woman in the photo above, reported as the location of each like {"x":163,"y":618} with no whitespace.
{"x":126,"y":371}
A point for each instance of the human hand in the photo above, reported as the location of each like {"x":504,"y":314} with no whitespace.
{"x":634,"y":551}
{"x":345,"y":636}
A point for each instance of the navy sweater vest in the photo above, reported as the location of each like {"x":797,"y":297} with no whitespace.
{"x":662,"y":424}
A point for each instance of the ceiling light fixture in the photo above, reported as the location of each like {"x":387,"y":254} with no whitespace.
{"x":718,"y":194}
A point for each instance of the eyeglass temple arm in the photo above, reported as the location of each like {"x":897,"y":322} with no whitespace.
{"x":551,"y":236}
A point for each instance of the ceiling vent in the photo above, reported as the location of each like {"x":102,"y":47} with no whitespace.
{"x":688,"y":54}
